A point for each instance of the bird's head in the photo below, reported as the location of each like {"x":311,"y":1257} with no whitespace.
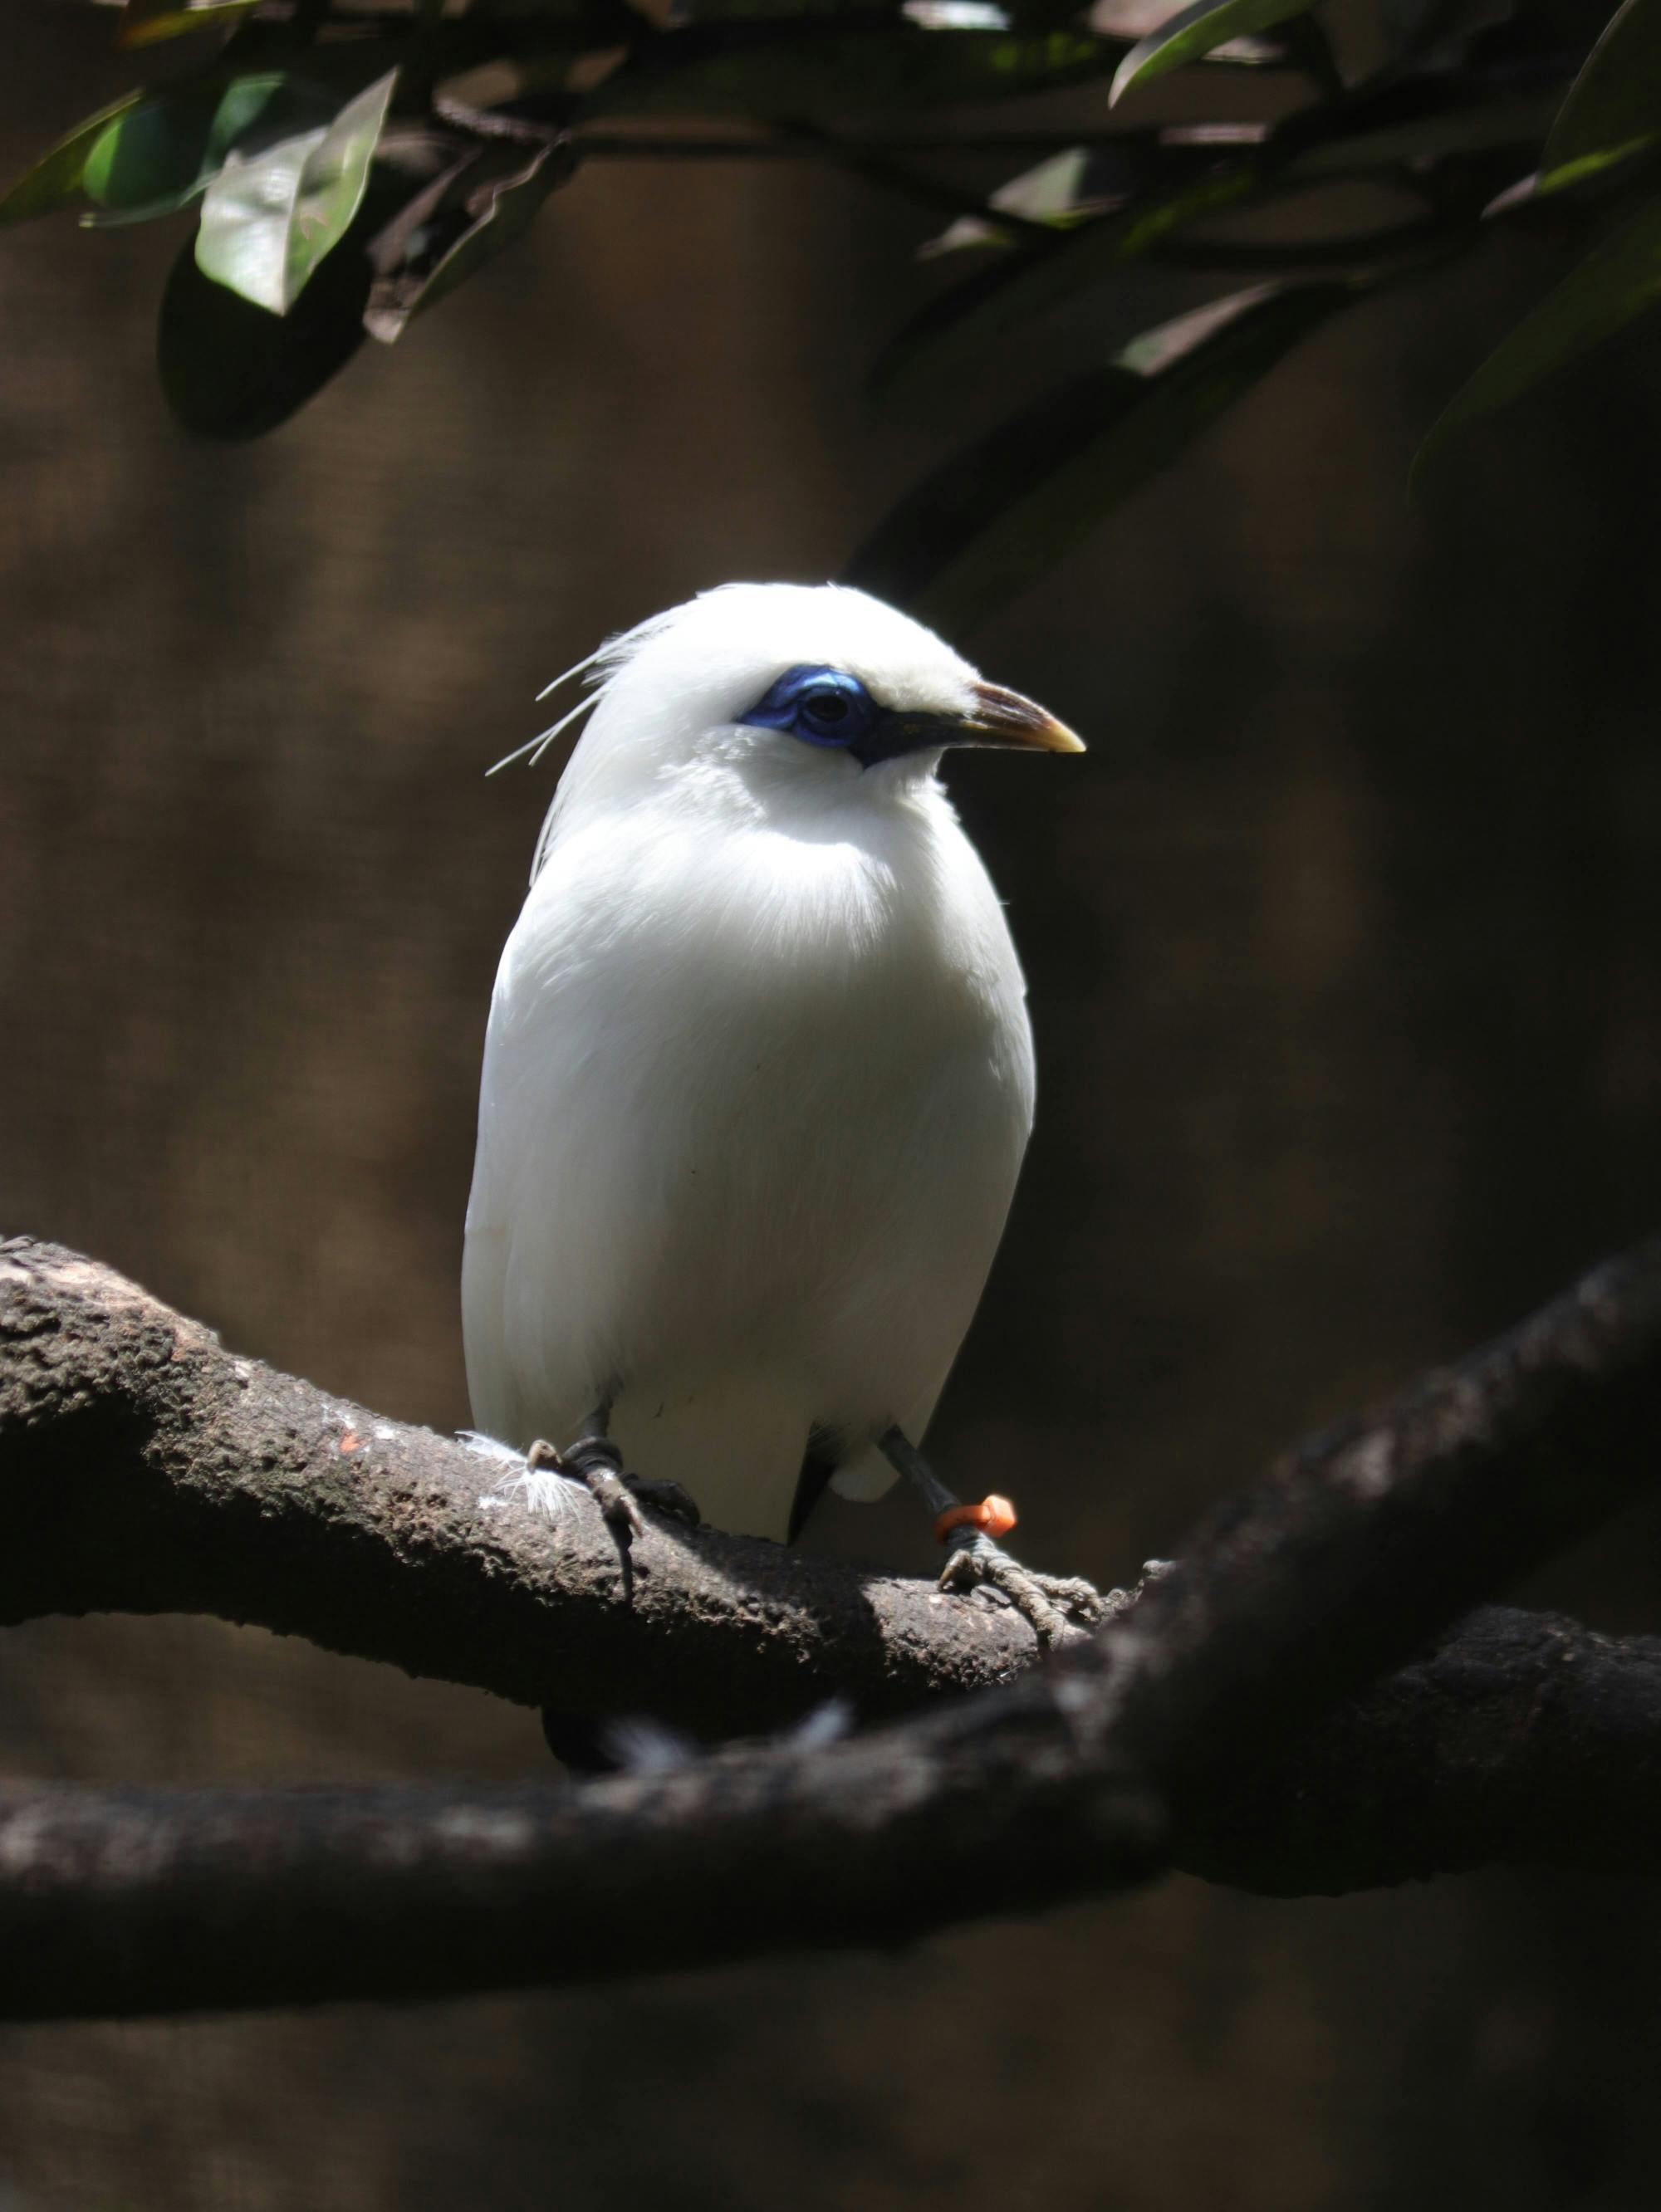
{"x":780,"y":691}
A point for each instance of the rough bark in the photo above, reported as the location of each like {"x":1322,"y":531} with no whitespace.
{"x":1525,"y":1740}
{"x":148,"y":1470}
{"x":1186,"y":1732}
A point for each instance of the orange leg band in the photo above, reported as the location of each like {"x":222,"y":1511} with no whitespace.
{"x":993,"y":1516}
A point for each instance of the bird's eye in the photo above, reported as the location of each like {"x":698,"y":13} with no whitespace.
{"x":826,"y":706}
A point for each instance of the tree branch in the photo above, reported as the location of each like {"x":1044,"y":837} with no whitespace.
{"x":1174,"y":1736}
{"x":1523,"y":1739}
{"x":147,"y":1470}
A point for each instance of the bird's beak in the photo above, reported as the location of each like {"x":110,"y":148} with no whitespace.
{"x":1004,"y":718}
{"x":996,"y":717}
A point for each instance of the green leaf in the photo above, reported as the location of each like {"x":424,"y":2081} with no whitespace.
{"x":463,"y":220}
{"x":161,"y":155}
{"x":1192,"y":32}
{"x":995,"y":515}
{"x":55,"y":177}
{"x":1614,"y":282}
{"x":231,"y":371}
{"x":269,"y":219}
{"x":1614,"y":105}
{"x":147,"y":22}
{"x":149,"y":155}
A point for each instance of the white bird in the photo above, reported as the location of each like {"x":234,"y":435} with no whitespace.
{"x":759,"y":1074}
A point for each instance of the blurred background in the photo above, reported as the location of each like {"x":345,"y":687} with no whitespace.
{"x":1345,"y":949}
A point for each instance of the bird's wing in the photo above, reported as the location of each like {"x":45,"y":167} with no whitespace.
{"x":525,"y":1256}
{"x":485,"y":1258}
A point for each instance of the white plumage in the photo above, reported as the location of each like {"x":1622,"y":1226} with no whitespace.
{"x":758,"y":1075}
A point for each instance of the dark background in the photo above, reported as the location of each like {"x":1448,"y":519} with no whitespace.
{"x":1345,"y":947}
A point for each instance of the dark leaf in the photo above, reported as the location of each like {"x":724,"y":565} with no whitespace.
{"x":230,"y":370}
{"x":951,"y":333}
{"x":1416,"y":31}
{"x":818,"y":70}
{"x":463,"y":220}
{"x":979,"y":528}
{"x":1614,"y":282}
{"x":270,"y":218}
{"x":1614,"y":105}
{"x":55,"y":179}
{"x":1192,"y":32}
{"x":1082,"y":182}
{"x":1309,"y":50}
{"x":1411,"y":122}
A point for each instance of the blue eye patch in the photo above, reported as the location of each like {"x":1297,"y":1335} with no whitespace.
{"x":824,"y":706}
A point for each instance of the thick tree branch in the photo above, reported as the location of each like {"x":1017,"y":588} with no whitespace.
{"x":1176,"y":1734}
{"x":147,"y":1470}
{"x":1523,"y":1739}
{"x":116,"y":1902}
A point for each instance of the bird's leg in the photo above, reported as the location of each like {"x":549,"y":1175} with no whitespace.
{"x":595,"y":1461}
{"x":1054,"y":1604}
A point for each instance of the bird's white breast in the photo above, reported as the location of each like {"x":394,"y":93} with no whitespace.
{"x":755,"y":1096}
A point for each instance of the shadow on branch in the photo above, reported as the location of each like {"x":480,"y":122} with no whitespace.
{"x":1240,"y":1718}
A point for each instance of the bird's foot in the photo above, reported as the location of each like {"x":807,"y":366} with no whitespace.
{"x":1057,"y":1606}
{"x":596,"y":1462}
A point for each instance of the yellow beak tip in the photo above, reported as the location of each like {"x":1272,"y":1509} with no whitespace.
{"x":1005,"y":718}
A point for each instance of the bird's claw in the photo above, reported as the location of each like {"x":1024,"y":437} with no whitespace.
{"x":1057,"y":1606}
{"x":596,"y":1462}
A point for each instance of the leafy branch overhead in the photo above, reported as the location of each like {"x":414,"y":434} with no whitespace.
{"x":349,"y":164}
